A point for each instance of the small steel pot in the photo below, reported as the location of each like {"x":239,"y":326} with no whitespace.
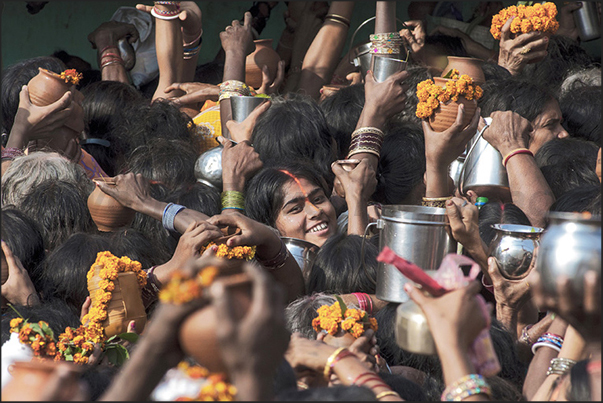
{"x":514,"y":247}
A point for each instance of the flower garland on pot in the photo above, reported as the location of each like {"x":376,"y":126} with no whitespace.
{"x":332,"y":318}
{"x":431,"y":95}
{"x":528,"y":18}
{"x":180,"y":290}
{"x":235,"y":252}
{"x":216,"y":389}
{"x":71,"y":76}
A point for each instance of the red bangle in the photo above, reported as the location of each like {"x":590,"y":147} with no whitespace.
{"x":515,"y":152}
{"x":370,"y":301}
{"x":361,"y":375}
{"x":372,"y":378}
{"x":108,"y":47}
{"x":361,"y":300}
{"x":110,"y":54}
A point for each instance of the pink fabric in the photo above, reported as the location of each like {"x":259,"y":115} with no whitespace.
{"x":93,"y":170}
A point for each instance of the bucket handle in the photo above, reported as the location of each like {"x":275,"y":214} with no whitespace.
{"x":488,"y":121}
{"x":379,"y":225}
{"x":363,"y":24}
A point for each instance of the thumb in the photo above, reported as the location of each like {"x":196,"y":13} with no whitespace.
{"x":337,"y":169}
{"x":416,"y":295}
{"x":183,"y":15}
{"x":493,"y":269}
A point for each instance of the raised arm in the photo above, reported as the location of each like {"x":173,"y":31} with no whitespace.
{"x":105,"y":39}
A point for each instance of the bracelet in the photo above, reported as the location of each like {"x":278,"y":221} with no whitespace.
{"x":152,"y":279}
{"x":157,"y":15}
{"x":232,"y":199}
{"x":330,"y":360}
{"x":553,"y":336}
{"x":435,"y":201}
{"x":387,"y":36}
{"x":278,"y":261}
{"x":368,"y":129}
{"x":191,"y":43}
{"x":337,"y":20}
{"x":559,"y":366}
{"x":108,"y":47}
{"x":338,"y":17}
{"x":515,"y":152}
{"x":525,"y":336}
{"x":544,"y":344}
{"x":169,"y":213}
{"x":10,"y":153}
{"x":110,"y":63}
{"x":361,"y":375}
{"x":111,"y":54}
{"x":468,"y":385}
{"x":361,"y":301}
{"x":386,"y":393}
{"x":368,"y":150}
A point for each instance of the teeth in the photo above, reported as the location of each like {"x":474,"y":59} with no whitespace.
{"x":319,"y":227}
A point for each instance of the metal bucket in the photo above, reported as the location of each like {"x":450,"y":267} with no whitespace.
{"x":587,"y":21}
{"x":483,"y":171}
{"x":419,"y":234}
{"x":304,"y":253}
{"x":242,"y":106}
{"x":383,"y":67}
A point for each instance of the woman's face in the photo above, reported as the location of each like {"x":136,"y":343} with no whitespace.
{"x":547,"y":126}
{"x":307,"y":213}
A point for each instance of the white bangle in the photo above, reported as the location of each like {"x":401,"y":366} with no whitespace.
{"x":162,"y":17}
{"x":544,"y":344}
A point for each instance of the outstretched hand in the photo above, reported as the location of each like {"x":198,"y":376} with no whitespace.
{"x":515,"y":54}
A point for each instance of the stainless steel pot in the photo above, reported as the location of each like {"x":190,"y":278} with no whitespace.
{"x":304,"y":253}
{"x":383,"y":67}
{"x":513,"y":247}
{"x":242,"y":106}
{"x":420,"y":235}
{"x":208,"y":167}
{"x":587,"y":21}
{"x":412,"y":330}
{"x":571,"y":246}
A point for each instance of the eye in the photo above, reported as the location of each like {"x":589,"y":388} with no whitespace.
{"x":294,"y":209}
{"x":319,"y":199}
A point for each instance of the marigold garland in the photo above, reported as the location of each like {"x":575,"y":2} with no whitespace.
{"x":333,"y":317}
{"x":180,"y":290}
{"x":236,"y":252}
{"x":216,"y":389}
{"x":71,"y":76}
{"x":538,"y":17}
{"x":430,"y":95}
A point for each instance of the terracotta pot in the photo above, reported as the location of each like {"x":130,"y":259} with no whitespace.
{"x":341,"y":339}
{"x":466,"y":65}
{"x":445,"y":115}
{"x":108,"y":214}
{"x":4,"y":267}
{"x":125,"y":305}
{"x":48,"y":87}
{"x":263,"y":54}
{"x":197,"y":335}
{"x":30,"y":378}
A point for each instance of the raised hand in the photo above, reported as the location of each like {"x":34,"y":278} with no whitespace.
{"x":239,"y":163}
{"x":515,"y":54}
{"x":18,"y":288}
{"x":130,"y":190}
{"x":271,"y":85}
{"x":242,"y":131}
{"x":387,"y":98}
{"x":194,"y":93}
{"x":237,"y":37}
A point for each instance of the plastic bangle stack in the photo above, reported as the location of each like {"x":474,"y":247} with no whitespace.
{"x":110,"y":58}
{"x":189,"y":50}
{"x":337,"y":355}
{"x":364,"y":302}
{"x":560,"y":366}
{"x":276,"y":262}
{"x":548,"y":340}
{"x":515,"y":152}
{"x":372,"y":377}
{"x":234,"y":88}
{"x":389,"y":43}
{"x":169,"y":213}
{"x":232,"y":199}
{"x":166,"y":15}
{"x":366,"y":140}
{"x":339,"y":19}
{"x":468,"y":385}
{"x":435,"y":201}
{"x":10,"y":153}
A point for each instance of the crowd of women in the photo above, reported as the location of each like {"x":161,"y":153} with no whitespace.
{"x":317,"y":161}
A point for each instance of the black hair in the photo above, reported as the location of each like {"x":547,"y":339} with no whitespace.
{"x":284,"y":378}
{"x":407,"y":389}
{"x":142,"y":122}
{"x":579,"y":389}
{"x":64,"y":270}
{"x":59,"y":210}
{"x":498,"y":213}
{"x":523,"y":97}
{"x":567,"y":175}
{"x":171,"y":162}
{"x":14,"y":77}
{"x":342,"y":111}
{"x":401,"y":165}
{"x":135,"y":245}
{"x":581,"y":111}
{"x":210,"y":72}
{"x":513,"y":369}
{"x":202,"y":198}
{"x":447,"y":45}
{"x":338,"y":269}
{"x":416,"y":74}
{"x":492,"y":71}
{"x":563,"y":55}
{"x":295,"y":128}
{"x":25,"y":241}
{"x":558,"y":151}
{"x":103,"y":103}
{"x":580,"y":199}
{"x":264,"y":195}
{"x":332,"y":393}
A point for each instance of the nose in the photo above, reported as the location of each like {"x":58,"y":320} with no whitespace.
{"x":562,"y":134}
{"x":311,"y":210}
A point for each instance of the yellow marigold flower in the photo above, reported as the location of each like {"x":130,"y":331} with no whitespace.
{"x":537,"y":24}
{"x":316,"y":324}
{"x":78,"y":340}
{"x":374,"y":324}
{"x":526,"y":26}
{"x":357,"y":330}
{"x":551,"y":9}
{"x":347,"y":324}
{"x":15,"y":322}
{"x":355,"y":314}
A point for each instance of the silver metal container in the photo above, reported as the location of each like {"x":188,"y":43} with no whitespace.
{"x":571,"y":246}
{"x":513,"y":247}
{"x":587,"y":21}
{"x":208,"y":167}
{"x":304,"y":253}
{"x":483,"y":171}
{"x":383,"y":67}
{"x":420,"y":235}
{"x":127,"y":53}
{"x":241,"y":107}
{"x":455,"y":169}
{"x":412,"y":330}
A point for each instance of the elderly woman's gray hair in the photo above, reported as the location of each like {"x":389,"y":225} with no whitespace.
{"x":581,"y":77}
{"x":28,"y":171}
{"x":300,"y":313}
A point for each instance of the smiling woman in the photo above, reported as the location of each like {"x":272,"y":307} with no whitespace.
{"x":294,"y":199}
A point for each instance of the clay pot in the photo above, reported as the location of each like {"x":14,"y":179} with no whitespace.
{"x":108,"y":214}
{"x":197,"y":335}
{"x":445,"y":115}
{"x":48,"y":87}
{"x":341,"y":339}
{"x":263,"y":55}
{"x":466,"y":65}
{"x":125,"y":305}
{"x":30,"y":379}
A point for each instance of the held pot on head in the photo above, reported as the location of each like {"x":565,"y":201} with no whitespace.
{"x":208,"y":167}
{"x":467,"y":65}
{"x":513,"y":247}
{"x":444,"y":116}
{"x":419,"y":234}
{"x":570,"y":246}
{"x":107,"y":213}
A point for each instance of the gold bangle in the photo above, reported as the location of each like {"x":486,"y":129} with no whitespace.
{"x":437,"y":198}
{"x":327,"y":370}
{"x":386,"y":393}
{"x":439,"y":202}
{"x":341,"y":17}
{"x":337,"y":21}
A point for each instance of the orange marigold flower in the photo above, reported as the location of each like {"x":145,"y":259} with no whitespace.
{"x":347,"y":324}
{"x":373,"y":324}
{"x":15,"y":322}
{"x":357,"y":330}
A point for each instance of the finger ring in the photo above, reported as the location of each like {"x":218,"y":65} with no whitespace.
{"x":525,"y":50}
